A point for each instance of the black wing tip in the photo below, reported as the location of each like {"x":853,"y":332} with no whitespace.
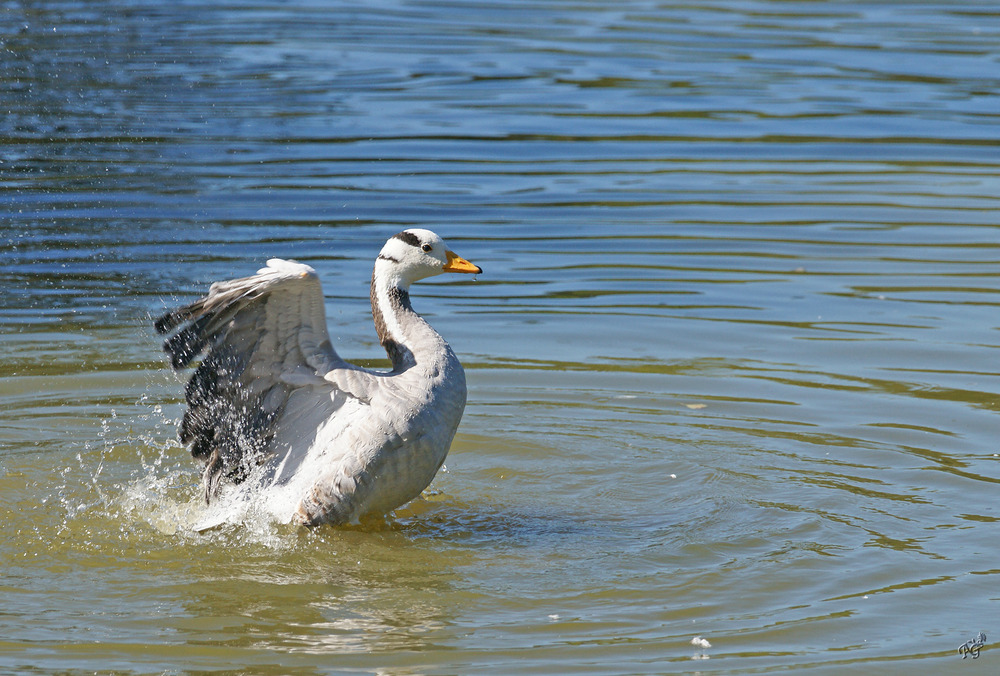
{"x":169,"y":321}
{"x":164,"y":323}
{"x":178,"y":345}
{"x":183,"y":347}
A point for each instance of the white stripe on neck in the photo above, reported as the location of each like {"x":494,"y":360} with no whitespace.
{"x":383,"y":285}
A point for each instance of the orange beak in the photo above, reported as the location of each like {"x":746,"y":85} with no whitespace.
{"x":458,"y":264}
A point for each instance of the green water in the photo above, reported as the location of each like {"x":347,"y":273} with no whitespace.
{"x":731,"y":363}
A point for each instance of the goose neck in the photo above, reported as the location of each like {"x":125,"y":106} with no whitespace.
{"x":404,"y":335}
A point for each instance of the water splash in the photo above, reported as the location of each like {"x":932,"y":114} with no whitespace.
{"x":136,"y":483}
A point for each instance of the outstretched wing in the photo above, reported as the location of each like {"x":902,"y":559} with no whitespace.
{"x":264,"y":337}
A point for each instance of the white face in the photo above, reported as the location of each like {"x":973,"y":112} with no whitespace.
{"x":414,"y":254}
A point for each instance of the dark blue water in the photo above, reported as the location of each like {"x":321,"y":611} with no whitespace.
{"x":730,"y":362}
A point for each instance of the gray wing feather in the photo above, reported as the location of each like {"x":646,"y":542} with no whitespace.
{"x":263,"y":337}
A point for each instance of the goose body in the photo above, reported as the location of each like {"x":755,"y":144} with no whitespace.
{"x":273,"y":403}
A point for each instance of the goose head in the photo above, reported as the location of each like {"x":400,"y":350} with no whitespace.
{"x":416,"y":254}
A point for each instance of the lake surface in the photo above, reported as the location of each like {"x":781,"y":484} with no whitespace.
{"x":733,"y":364}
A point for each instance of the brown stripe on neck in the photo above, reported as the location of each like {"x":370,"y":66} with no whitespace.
{"x":399,"y":302}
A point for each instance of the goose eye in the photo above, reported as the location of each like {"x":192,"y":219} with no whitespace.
{"x":426,"y":248}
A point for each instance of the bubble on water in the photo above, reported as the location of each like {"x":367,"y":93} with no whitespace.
{"x":703,"y":644}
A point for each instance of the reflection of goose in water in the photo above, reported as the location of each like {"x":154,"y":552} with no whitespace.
{"x":336,"y":442}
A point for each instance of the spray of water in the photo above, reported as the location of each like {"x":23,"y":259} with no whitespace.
{"x":138,"y":481}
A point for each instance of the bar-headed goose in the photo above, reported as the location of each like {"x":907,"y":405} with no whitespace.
{"x":329,"y":441}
